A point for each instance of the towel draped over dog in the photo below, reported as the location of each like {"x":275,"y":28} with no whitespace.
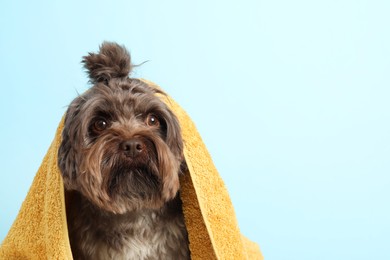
{"x":40,"y":229}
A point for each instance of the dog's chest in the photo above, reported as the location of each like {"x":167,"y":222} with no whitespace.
{"x":148,"y":236}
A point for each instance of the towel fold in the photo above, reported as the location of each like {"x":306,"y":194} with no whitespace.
{"x":40,"y":229}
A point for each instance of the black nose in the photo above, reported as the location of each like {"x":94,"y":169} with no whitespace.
{"x":132,"y":148}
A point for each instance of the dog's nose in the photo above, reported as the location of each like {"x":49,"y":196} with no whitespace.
{"x":132,"y":148}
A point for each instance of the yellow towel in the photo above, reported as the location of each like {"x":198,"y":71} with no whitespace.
{"x":40,"y":229}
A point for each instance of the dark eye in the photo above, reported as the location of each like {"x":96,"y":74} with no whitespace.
{"x":152,"y":120}
{"x":100,"y":125}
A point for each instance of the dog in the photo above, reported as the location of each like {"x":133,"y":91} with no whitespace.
{"x":120,"y":158}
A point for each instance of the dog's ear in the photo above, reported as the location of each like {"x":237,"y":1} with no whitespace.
{"x":68,"y":157}
{"x":112,"y":61}
{"x":173,"y":135}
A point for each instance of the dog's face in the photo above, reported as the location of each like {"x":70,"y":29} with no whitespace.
{"x":121,"y":145}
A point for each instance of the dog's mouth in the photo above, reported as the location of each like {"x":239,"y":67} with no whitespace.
{"x":132,"y":172}
{"x":130,"y":157}
{"x":133,"y":180}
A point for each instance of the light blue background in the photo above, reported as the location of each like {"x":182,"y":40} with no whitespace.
{"x":291,"y":97}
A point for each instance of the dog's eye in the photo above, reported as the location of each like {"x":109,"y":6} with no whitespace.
{"x":100,"y":125}
{"x":152,"y":120}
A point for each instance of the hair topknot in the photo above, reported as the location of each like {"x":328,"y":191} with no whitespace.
{"x":112,"y":61}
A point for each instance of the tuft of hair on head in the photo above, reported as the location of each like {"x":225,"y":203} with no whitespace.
{"x":112,"y":61}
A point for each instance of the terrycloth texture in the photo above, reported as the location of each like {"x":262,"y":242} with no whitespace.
{"x":40,"y":229}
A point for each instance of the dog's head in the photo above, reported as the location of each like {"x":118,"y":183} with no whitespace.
{"x":121,"y":145}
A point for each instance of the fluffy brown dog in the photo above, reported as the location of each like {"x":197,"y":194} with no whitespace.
{"x":120,"y":157}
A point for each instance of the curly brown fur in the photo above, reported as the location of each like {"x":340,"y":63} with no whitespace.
{"x":120,"y":158}
{"x":112,"y":61}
